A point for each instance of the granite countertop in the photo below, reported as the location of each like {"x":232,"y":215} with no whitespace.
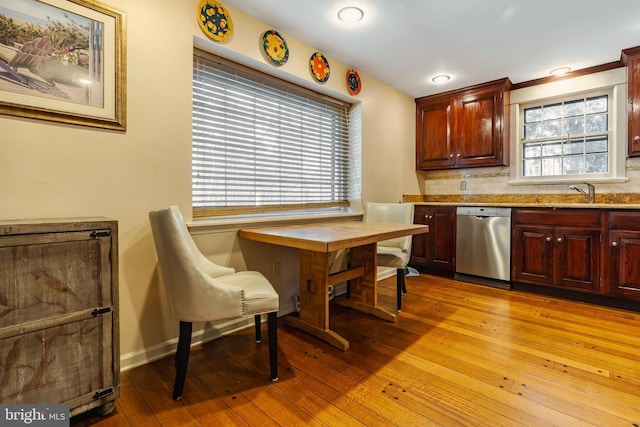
{"x":603,"y":201}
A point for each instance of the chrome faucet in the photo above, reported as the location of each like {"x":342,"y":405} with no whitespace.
{"x":591,"y":196}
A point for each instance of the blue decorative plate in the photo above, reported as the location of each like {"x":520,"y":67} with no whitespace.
{"x":354,"y":85}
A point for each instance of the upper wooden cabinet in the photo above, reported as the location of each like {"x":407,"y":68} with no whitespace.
{"x":464,"y":128}
{"x":632,"y":58}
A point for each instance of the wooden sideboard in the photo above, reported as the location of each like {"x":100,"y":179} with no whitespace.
{"x":59,"y":335}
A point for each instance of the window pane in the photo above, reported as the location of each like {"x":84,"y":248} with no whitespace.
{"x":596,"y":123}
{"x":552,"y":111}
{"x":533,"y":114}
{"x":532,"y":150}
{"x":572,"y":165}
{"x":532,"y":167}
{"x":533,"y":131}
{"x":574,"y":126}
{"x":596,"y":163}
{"x":552,"y":166}
{"x":597,"y":105}
{"x":552,"y":128}
{"x":598,"y":144}
{"x":573,"y":147}
{"x":574,"y":108}
{"x":552,"y":148}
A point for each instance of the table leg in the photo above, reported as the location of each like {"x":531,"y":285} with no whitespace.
{"x":364,"y":290}
{"x":314,"y":299}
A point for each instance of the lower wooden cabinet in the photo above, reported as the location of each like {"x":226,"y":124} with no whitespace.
{"x":556,"y":247}
{"x":435,"y":249}
{"x":59,"y":340}
{"x":623,"y":250}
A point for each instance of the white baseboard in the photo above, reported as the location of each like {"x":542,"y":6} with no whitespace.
{"x":158,"y":351}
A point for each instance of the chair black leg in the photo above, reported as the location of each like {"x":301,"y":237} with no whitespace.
{"x":400,"y":287}
{"x":272,"y":326}
{"x":182,"y":358}
{"x":258,"y":329}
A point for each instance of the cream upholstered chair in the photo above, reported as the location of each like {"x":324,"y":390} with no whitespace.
{"x":393,"y":252}
{"x":200,"y":291}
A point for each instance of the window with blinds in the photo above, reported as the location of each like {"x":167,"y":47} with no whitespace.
{"x":261,"y":144}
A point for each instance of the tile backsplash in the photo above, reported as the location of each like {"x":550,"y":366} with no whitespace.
{"x":463,"y":183}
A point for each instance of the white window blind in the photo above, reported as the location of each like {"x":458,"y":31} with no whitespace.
{"x":261,"y":144}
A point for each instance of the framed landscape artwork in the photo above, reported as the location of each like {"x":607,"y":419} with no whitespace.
{"x":63,"y":61}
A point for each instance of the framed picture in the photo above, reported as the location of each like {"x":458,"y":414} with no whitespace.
{"x":63,"y":61}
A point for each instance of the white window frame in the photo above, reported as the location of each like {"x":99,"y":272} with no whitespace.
{"x":295,"y":211}
{"x":612,"y":82}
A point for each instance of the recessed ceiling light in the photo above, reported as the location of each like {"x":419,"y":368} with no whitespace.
{"x":350,"y":14}
{"x":441,"y":78}
{"x":559,"y":71}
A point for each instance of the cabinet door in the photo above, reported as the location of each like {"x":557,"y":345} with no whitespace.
{"x":56,"y":318}
{"x":624,"y":250}
{"x":633,"y":88}
{"x":419,"y":241}
{"x":441,"y":240}
{"x":533,"y":254}
{"x":435,"y":249}
{"x":433,"y":134}
{"x":578,"y":258}
{"x":479,"y":129}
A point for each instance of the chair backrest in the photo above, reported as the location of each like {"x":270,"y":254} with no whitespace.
{"x":32,"y":53}
{"x":397,"y":213}
{"x":188,"y":276}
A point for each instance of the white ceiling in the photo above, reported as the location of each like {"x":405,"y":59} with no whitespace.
{"x":404,"y":43}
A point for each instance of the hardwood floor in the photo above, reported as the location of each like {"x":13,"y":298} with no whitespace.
{"x":459,"y":355}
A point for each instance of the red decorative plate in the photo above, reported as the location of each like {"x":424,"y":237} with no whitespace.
{"x":354,"y":85}
{"x":319,"y":67}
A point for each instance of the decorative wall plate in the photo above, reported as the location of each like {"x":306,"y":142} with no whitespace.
{"x":214,"y":20}
{"x":275,"y":48}
{"x":319,"y":67}
{"x":354,"y":85}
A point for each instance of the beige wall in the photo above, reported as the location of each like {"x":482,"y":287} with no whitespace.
{"x":55,"y":170}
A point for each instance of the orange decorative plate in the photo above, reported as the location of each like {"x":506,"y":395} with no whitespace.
{"x":319,"y":67}
{"x":214,"y":20}
{"x":354,"y":85}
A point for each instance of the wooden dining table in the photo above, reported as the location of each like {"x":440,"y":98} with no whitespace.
{"x":316,"y":242}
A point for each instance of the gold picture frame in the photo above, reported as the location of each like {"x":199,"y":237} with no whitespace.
{"x":63,"y":61}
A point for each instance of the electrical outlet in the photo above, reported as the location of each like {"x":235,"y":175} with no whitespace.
{"x":463,"y":185}
{"x":275,"y":269}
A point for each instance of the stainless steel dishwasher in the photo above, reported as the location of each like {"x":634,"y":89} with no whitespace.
{"x":483,"y":245}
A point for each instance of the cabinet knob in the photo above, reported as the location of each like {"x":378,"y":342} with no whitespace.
{"x":548,"y":238}
{"x":559,"y":239}
{"x":458,"y":155}
{"x":451,"y":155}
{"x":636,"y":138}
{"x":614,"y":244}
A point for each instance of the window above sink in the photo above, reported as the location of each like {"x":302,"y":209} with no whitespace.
{"x":570,"y":130}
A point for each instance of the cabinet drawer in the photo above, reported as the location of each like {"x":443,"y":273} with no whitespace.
{"x":559,"y":217}
{"x":624,"y":220}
